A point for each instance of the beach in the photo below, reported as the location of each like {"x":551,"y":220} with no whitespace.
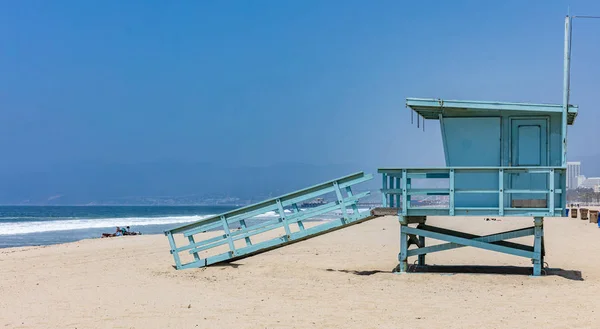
{"x":339,"y":280}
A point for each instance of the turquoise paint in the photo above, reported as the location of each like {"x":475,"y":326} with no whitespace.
{"x":497,"y":193}
{"x":342,"y":203}
{"x":173,"y":250}
{"x":469,"y":242}
{"x":502,"y":159}
{"x":297,"y":210}
{"x":283,"y":219}
{"x":228,"y":235}
{"x":523,"y":146}
{"x":271,"y":205}
{"x":529,"y":147}
{"x":350,"y":194}
{"x":191,"y":240}
{"x":538,"y":257}
{"x":487,"y":238}
{"x":432,"y":108}
{"x":473,"y":141}
{"x":495,"y":134}
{"x":421,"y":258}
{"x":384,"y":185}
{"x":243,"y":226}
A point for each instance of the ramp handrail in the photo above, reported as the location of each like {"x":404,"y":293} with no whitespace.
{"x":295,"y":215}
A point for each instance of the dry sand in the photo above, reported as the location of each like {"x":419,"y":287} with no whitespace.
{"x":339,"y":280}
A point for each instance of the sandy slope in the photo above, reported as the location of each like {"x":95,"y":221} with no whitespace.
{"x":339,"y":280}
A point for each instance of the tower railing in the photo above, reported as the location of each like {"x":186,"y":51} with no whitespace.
{"x":399,"y":191}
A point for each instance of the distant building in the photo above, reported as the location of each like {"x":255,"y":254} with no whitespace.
{"x":573,"y":172}
{"x":580,"y":180}
{"x":593,"y":183}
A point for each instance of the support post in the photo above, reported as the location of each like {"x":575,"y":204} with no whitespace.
{"x":296,"y":210}
{"x":283,"y":218}
{"x":384,"y":186}
{"x":228,"y":235}
{"x":354,"y":206}
{"x":408,"y":187}
{"x":341,"y":202}
{"x":174,"y":250}
{"x":537,"y":245}
{"x":403,"y":256}
{"x":398,"y":195}
{"x":451,"y":197}
{"x":421,"y":258}
{"x":405,"y":186}
{"x":565,"y":112}
{"x":243,"y":226}
{"x":551,"y":192}
{"x":501,"y":192}
{"x":191,"y":240}
{"x":392,"y":196}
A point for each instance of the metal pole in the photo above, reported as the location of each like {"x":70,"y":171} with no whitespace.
{"x":566,"y":86}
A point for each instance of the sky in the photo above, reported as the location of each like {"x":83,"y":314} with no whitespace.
{"x":263,"y":82}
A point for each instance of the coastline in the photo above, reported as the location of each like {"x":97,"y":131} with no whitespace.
{"x":26,"y":226}
{"x":341,"y":279}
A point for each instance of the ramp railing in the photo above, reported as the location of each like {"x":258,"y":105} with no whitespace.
{"x":267,"y":225}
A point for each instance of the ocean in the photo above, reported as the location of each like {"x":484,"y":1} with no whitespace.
{"x":45,"y":225}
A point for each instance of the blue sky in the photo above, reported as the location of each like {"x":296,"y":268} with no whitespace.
{"x":261,"y":82}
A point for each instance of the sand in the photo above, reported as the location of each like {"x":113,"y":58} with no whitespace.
{"x":339,"y":280}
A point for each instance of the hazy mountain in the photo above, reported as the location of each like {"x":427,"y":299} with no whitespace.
{"x":83,"y":184}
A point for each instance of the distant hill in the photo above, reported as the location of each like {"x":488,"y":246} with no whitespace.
{"x":171,"y":183}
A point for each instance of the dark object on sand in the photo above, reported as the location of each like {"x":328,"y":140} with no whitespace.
{"x":120,"y":232}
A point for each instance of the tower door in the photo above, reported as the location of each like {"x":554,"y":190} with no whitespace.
{"x":529,"y":148}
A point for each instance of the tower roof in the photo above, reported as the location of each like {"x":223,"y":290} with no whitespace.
{"x":432,"y":108}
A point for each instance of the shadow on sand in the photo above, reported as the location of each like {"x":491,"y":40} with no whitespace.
{"x":471,"y":269}
{"x":357,"y":272}
{"x":503,"y":270}
{"x":217,"y":265}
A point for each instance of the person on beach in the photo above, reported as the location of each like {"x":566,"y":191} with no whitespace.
{"x":121,"y":231}
{"x":118,"y":232}
{"x":129,"y":232}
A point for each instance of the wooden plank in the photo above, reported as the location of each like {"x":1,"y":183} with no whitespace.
{"x":529,"y":203}
{"x":412,"y":219}
{"x":381,"y":211}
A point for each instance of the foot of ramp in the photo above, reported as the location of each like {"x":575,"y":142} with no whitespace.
{"x":250,"y":230}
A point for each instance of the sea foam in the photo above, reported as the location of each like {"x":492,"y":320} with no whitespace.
{"x":25,"y":227}
{"x":67,"y":224}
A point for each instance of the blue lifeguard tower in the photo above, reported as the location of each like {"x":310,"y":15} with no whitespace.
{"x":502,"y":159}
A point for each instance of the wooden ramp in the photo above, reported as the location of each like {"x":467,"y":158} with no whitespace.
{"x":270,"y":224}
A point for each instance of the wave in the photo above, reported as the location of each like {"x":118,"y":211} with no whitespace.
{"x":271,"y":214}
{"x":286,"y":211}
{"x":79,"y":224}
{"x":26,"y":227}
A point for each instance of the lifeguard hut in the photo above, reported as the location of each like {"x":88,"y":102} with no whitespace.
{"x":502,"y":159}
